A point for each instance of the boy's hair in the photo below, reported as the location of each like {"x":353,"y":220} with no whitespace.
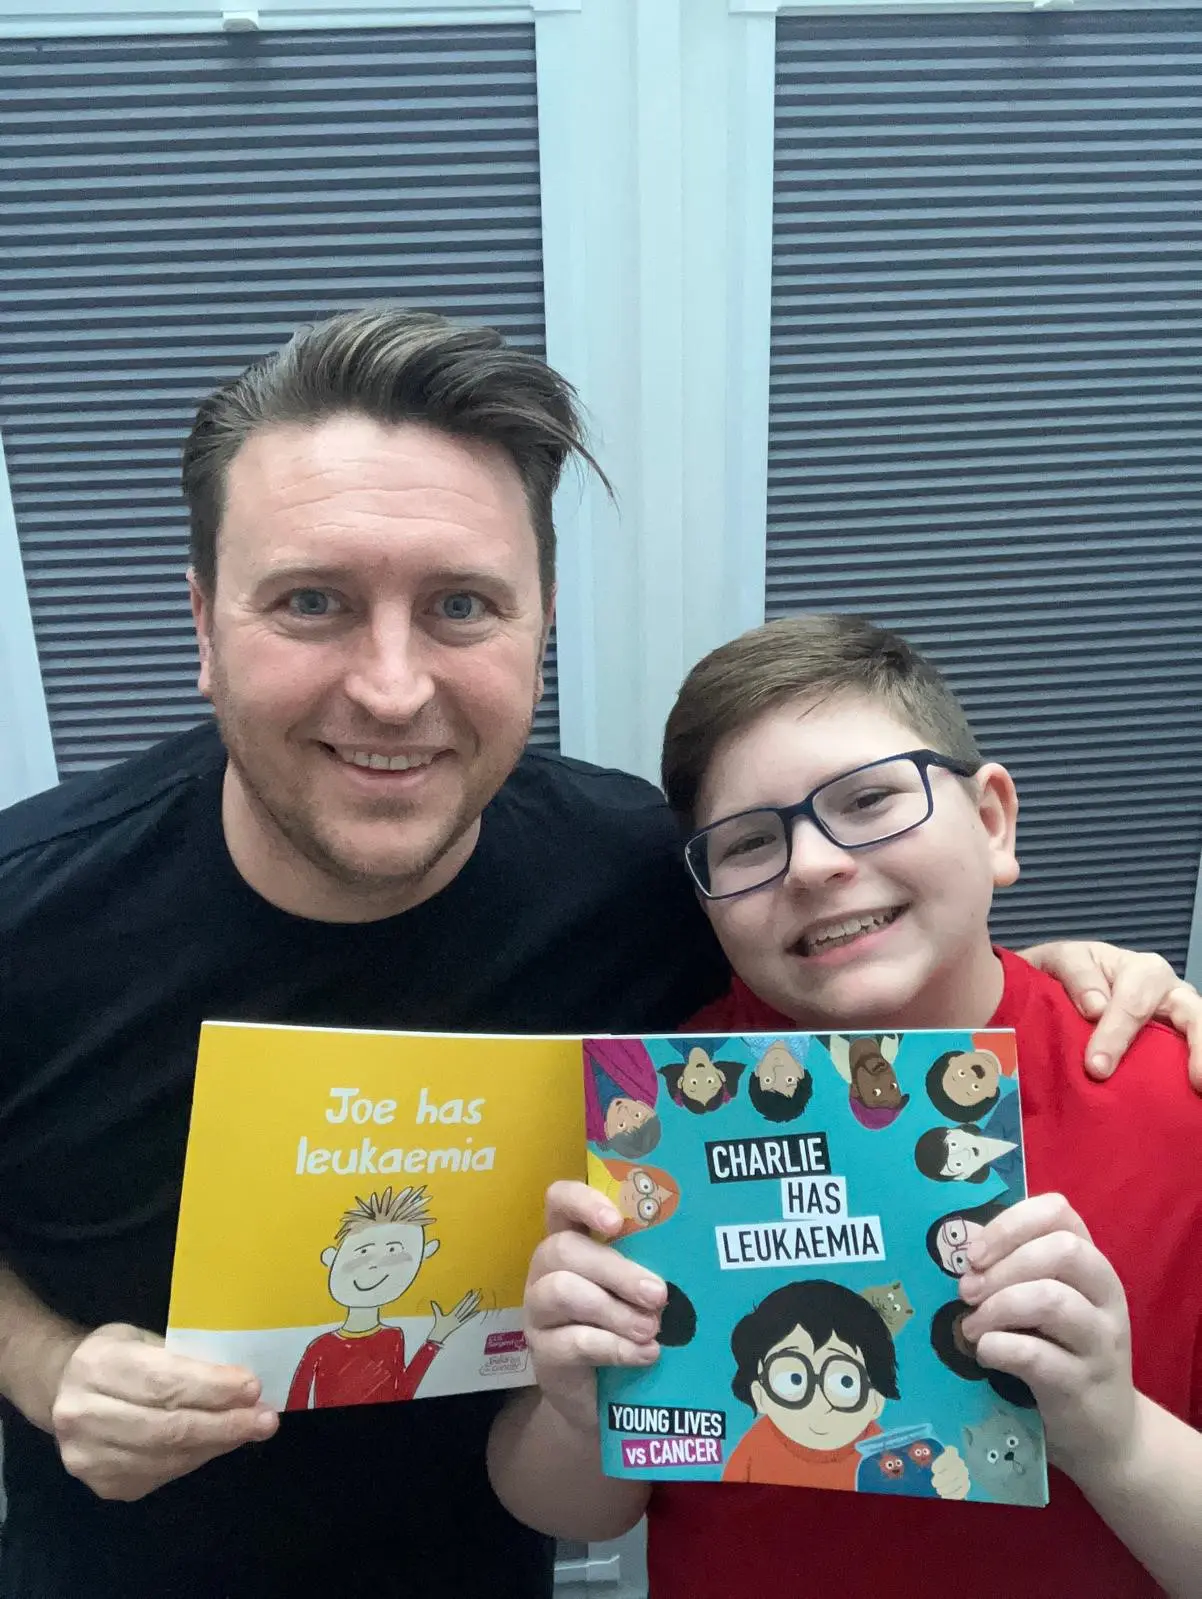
{"x":930,"y":1155}
{"x":393,"y":365}
{"x":814,"y":657}
{"x":943,"y":1101}
{"x":774,"y":1106}
{"x":409,"y":1208}
{"x":824,"y":1310}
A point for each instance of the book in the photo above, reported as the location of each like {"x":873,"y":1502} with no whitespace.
{"x":359,"y":1209}
{"x":809,"y":1199}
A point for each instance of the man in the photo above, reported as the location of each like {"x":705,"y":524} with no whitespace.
{"x":365,"y":844}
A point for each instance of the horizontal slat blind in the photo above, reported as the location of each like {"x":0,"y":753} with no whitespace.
{"x":986,"y":422}
{"x":171,"y":208}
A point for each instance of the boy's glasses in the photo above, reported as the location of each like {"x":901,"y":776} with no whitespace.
{"x":790,"y":1378}
{"x":865,"y":806}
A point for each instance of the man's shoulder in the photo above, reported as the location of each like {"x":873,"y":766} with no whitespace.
{"x":84,"y":817}
{"x":602,"y":803}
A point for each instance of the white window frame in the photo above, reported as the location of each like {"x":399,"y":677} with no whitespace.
{"x":27,"y":763}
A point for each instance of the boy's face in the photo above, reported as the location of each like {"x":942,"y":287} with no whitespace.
{"x":819,"y":1397}
{"x":779,"y":1070}
{"x":971,"y":1079}
{"x":374,"y":1265}
{"x":914,"y":909}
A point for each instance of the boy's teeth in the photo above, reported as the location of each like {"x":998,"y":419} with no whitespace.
{"x":843,"y":932}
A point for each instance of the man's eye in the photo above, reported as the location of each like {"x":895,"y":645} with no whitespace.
{"x":312,"y":603}
{"x":462,"y":607}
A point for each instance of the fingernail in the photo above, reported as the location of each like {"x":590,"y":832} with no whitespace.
{"x":266,"y":1422}
{"x":1093,"y":1001}
{"x":651,"y":1293}
{"x":1100,"y":1065}
{"x":608,"y":1219}
{"x":970,"y":1286}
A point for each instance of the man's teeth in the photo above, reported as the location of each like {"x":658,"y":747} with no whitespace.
{"x":384,"y":763}
{"x":843,"y":932}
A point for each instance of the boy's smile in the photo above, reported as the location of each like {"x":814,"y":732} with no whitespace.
{"x":894,"y":934}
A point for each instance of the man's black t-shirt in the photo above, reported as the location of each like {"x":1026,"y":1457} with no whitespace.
{"x":123,"y":924}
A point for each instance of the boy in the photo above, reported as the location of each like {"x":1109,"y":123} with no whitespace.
{"x":846,"y":838}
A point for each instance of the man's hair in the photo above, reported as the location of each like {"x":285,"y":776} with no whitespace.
{"x":823,"y":1310}
{"x":930,"y":1155}
{"x":943,"y":1101}
{"x":408,"y":1207}
{"x":392,"y":365}
{"x":817,"y":657}
{"x":774,"y":1106}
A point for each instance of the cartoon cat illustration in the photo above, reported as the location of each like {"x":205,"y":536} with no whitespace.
{"x":892,"y":1304}
{"x":1004,"y":1459}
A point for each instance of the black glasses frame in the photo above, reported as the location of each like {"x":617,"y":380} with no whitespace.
{"x":816,"y":1380}
{"x":788,"y":815}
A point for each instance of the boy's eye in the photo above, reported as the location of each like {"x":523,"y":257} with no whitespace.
{"x":867,"y":799}
{"x":748,"y":845}
{"x":312,"y":603}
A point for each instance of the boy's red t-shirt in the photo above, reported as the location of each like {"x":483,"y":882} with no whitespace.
{"x":1125,"y":1153}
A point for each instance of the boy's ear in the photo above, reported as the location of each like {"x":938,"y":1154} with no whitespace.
{"x":430,"y":1249}
{"x":997,"y":806}
{"x":757,"y":1397}
{"x":328,"y":1256}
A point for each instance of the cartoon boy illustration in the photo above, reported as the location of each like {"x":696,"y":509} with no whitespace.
{"x":698,"y":1082}
{"x":816,"y":1363}
{"x":620,"y":1088}
{"x":377,"y":1253}
{"x":779,"y":1086}
{"x":969,"y":1153}
{"x":964,"y":1084}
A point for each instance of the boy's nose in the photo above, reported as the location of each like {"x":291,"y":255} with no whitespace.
{"x":814,"y":858}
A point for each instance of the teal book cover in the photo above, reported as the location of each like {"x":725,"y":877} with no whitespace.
{"x":809,"y":1199}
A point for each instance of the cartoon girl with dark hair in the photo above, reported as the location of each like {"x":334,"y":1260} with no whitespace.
{"x":949,"y":1236}
{"x":699,"y":1082}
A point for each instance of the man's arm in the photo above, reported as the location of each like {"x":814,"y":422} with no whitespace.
{"x":1121,"y":990}
{"x":127,"y":1413}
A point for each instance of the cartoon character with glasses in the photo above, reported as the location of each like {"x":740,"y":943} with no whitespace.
{"x":816,"y":1363}
{"x":948,"y":1237}
{"x":645,"y":1195}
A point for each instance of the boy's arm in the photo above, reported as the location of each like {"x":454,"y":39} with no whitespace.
{"x":1051,"y":1310}
{"x":586,"y":1306}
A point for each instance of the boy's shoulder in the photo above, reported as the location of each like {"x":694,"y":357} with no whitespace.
{"x":1150,"y":1084}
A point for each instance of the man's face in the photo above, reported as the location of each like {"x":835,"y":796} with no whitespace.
{"x":372,"y":650}
{"x":819,"y":1397}
{"x":624,"y":1115}
{"x":374,"y":1265}
{"x":971,"y":1078}
{"x":902,"y":926}
{"x":779,"y":1070}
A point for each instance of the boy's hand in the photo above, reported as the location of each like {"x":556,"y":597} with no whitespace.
{"x":1050,"y":1310}
{"x":1121,"y":989}
{"x":586,"y":1305}
{"x":949,"y":1475}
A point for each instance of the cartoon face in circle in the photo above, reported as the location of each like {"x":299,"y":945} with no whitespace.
{"x":374,"y":1265}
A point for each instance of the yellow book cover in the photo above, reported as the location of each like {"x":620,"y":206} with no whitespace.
{"x":359,"y":1208}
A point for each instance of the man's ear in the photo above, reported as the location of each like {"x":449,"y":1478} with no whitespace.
{"x":548,"y":624}
{"x":328,"y":1257}
{"x":997,"y":806}
{"x":430,"y":1249}
{"x":202,"y":617}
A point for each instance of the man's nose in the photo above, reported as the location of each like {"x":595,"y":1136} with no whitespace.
{"x":389,"y":674}
{"x":814,"y":858}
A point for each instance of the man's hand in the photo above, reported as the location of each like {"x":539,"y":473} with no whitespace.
{"x":1122,"y":989}
{"x":586,"y":1305}
{"x":1051,"y":1310}
{"x":949,"y":1475}
{"x":131,"y":1415}
{"x":448,"y":1321}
